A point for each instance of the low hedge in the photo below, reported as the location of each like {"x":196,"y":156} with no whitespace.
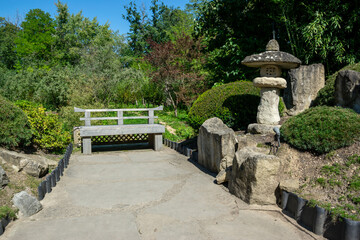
{"x":234,"y":103}
{"x":322,"y":129}
{"x":14,"y":125}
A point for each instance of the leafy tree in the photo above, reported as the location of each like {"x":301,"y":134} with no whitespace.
{"x":35,"y":40}
{"x":177,"y":69}
{"x":76,"y":35}
{"x":8,"y":33}
{"x":164,"y":24}
{"x":137,"y":33}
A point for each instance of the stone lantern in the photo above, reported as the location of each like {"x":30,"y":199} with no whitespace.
{"x":271,"y":62}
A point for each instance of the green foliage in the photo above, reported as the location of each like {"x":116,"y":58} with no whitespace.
{"x":164,"y":24}
{"x":48,"y":132}
{"x":179,"y":124}
{"x":48,"y":87}
{"x":35,"y":40}
{"x":235,"y":103}
{"x":8,"y":33}
{"x":6,"y":211}
{"x":14,"y":126}
{"x":326,"y":96}
{"x":322,"y":129}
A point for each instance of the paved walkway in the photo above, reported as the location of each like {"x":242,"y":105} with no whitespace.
{"x":144,"y":194}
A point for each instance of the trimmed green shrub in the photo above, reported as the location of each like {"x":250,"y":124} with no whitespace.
{"x":14,"y":126}
{"x":322,"y":129}
{"x":234,"y":103}
{"x":326,"y":96}
{"x":48,"y":131}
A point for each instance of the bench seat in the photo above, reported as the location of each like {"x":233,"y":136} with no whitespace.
{"x":154,"y":131}
{"x":104,"y":130}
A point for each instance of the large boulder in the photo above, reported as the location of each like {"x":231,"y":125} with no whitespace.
{"x":4,"y":180}
{"x":304,"y":83}
{"x":34,"y":165}
{"x":216,"y":145}
{"x":27,"y":204}
{"x":254,"y":176}
{"x":347,"y":89}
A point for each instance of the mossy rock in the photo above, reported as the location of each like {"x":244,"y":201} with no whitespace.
{"x":234,"y":103}
{"x":326,"y":96}
{"x":322,"y":129}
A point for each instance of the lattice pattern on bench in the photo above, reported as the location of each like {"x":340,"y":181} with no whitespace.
{"x":118,"y":139}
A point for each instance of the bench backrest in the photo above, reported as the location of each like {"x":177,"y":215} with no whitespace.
{"x":120,"y":114}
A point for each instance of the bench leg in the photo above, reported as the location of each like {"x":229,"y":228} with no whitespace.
{"x":156,"y":141}
{"x":86,"y":145}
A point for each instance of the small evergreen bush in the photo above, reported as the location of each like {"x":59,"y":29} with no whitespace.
{"x":48,"y":131}
{"x":234,"y":103}
{"x":14,"y":126}
{"x":322,"y":129}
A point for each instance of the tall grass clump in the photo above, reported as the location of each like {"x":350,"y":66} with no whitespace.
{"x":322,"y":129}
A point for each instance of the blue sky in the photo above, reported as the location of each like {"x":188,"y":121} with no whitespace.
{"x":105,"y":10}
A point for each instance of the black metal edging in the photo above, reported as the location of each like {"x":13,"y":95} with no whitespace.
{"x":182,"y":149}
{"x":318,"y":220}
{"x":51,"y":180}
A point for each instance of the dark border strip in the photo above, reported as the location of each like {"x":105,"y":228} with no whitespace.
{"x":182,"y":149}
{"x":51,"y":180}
{"x":318,"y":220}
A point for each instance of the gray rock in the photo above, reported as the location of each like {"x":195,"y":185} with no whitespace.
{"x":290,"y":185}
{"x":254,"y":176}
{"x":347,"y":89}
{"x":27,"y":204}
{"x":224,"y":175}
{"x":33,"y":165}
{"x":4,"y":180}
{"x":256,"y":128}
{"x":304,"y":83}
{"x":268,"y":110}
{"x":216,"y":145}
{"x":245,"y":141}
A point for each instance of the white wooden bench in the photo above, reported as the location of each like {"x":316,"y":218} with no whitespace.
{"x":153,"y":130}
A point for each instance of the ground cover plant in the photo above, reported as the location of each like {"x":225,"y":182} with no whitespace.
{"x":177,"y":128}
{"x":340,"y":181}
{"x":322,"y":129}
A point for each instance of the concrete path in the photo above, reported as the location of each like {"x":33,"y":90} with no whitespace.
{"x":144,"y":194}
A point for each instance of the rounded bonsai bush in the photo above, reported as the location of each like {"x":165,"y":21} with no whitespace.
{"x":14,"y":125}
{"x":322,"y":129}
{"x":234,"y":103}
